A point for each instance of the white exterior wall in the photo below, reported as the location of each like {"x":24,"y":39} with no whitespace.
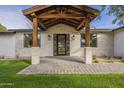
{"x":108,"y":43}
{"x":46,"y":48}
{"x":47,"y":45}
{"x":104,"y":42}
{"x":20,"y":50}
{"x":119,"y":42}
{"x":7,"y":45}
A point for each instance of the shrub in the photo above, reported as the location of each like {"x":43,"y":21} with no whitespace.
{"x":110,"y":57}
{"x":111,"y":61}
{"x":122,"y":59}
{"x":96,"y":61}
{"x":94,"y":57}
{"x":119,"y":57}
{"x":104,"y":56}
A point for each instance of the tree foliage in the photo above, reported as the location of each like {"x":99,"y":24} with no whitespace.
{"x":2,"y":27}
{"x":117,"y":11}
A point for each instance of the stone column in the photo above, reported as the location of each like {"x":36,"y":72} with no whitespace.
{"x":88,"y":55}
{"x":35,"y":55}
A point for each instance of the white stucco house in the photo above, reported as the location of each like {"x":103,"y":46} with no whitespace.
{"x":60,"y":39}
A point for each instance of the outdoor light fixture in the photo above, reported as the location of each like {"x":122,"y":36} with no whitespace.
{"x":73,"y":37}
{"x":49,"y":37}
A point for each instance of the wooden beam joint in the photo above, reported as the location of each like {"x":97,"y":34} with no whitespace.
{"x":81,"y":24}
{"x":41,"y":24}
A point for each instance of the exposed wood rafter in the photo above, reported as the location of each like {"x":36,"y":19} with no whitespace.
{"x":42,"y":25}
{"x":81,"y":24}
{"x":72,"y":15}
{"x":60,"y":16}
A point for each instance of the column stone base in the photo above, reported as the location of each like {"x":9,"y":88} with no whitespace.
{"x":88,"y":55}
{"x":35,"y":59}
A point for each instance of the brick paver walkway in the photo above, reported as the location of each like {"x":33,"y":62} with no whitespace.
{"x":71,"y":65}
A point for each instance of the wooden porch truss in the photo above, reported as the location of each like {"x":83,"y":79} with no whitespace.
{"x":45,"y":16}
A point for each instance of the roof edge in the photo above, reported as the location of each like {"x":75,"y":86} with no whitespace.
{"x":118,"y":28}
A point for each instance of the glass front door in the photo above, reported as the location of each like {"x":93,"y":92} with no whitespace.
{"x":61,"y":44}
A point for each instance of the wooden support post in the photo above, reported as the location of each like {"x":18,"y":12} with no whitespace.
{"x":35,"y":59}
{"x":35,"y":32}
{"x":87,"y":33}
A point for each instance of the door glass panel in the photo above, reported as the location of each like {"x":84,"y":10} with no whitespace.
{"x":61,"y":44}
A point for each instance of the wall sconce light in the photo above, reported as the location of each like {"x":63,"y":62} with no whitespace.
{"x":49,"y":37}
{"x":73,"y":37}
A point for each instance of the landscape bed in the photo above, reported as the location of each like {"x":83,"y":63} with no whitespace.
{"x":9,"y":78}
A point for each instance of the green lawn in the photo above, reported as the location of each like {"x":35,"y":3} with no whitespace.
{"x":8,"y":78}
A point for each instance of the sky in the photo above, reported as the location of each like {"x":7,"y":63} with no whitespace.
{"x":11,"y":16}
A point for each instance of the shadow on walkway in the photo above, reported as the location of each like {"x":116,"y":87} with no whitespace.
{"x":66,"y":58}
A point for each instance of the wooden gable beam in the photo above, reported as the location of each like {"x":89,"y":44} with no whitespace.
{"x":46,"y":20}
{"x":50,"y":21}
{"x":53,"y":23}
{"x":73,"y":16}
{"x":38,"y":21}
{"x":33,"y":15}
{"x":35,"y":8}
{"x":73,"y":11}
{"x":73,"y":21}
{"x":48,"y":12}
{"x":42,"y":25}
{"x":69,"y":23}
{"x":81,"y":24}
{"x":76,"y":9}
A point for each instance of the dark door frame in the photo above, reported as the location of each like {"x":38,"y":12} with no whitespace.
{"x":55,"y":45}
{"x":64,"y":45}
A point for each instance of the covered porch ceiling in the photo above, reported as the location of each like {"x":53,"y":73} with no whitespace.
{"x":72,"y":15}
